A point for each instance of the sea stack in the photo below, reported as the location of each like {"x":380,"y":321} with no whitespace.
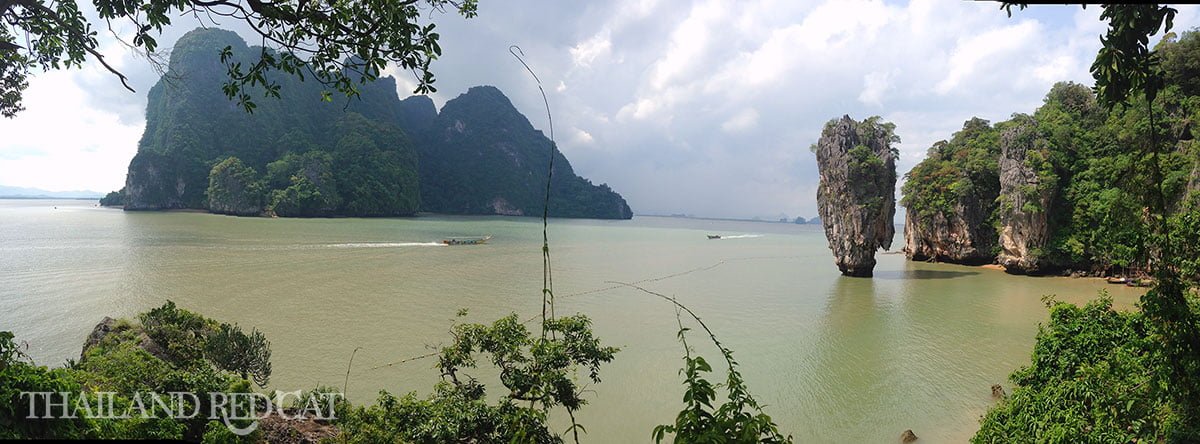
{"x":856,"y":197}
{"x":1027,"y":188}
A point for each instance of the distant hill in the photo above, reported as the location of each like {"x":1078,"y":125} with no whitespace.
{"x":7,"y":192}
{"x":481,"y":156}
{"x":373,"y":156}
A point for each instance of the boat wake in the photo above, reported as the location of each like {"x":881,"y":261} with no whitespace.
{"x":385,"y":244}
{"x":742,"y":236}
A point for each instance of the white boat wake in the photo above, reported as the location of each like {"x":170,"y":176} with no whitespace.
{"x":742,"y":236}
{"x":385,"y":244}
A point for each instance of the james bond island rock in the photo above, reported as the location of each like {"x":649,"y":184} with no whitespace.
{"x":951,"y":199}
{"x":1027,"y":190}
{"x":856,"y":196}
{"x":481,"y":156}
{"x":303,"y":157}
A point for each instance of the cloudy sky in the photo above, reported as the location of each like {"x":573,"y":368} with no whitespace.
{"x":701,"y":107}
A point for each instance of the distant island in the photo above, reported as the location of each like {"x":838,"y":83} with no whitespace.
{"x":373,"y":156}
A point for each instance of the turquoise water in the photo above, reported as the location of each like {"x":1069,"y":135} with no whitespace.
{"x":835,"y":359}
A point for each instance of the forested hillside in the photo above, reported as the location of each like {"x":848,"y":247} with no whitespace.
{"x":377,"y":155}
{"x":1060,"y":189}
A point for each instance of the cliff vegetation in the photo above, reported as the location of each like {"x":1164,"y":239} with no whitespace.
{"x":1061,"y":188}
{"x":374,"y":155}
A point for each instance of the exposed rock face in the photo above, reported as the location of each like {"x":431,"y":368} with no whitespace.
{"x":109,"y":326}
{"x":295,"y":427}
{"x":998,"y":391}
{"x":1191,"y":195}
{"x":157,"y":182}
{"x":951,"y":198}
{"x":856,"y":196}
{"x":962,"y":238}
{"x":1025,"y":202}
{"x":908,"y":436}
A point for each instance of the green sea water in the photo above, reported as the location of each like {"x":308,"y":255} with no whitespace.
{"x":835,"y":359}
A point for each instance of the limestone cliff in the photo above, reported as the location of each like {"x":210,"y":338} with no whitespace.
{"x":480,"y":155}
{"x":856,"y":196}
{"x":157,"y":182}
{"x":951,"y":199}
{"x":962,"y":238}
{"x":1027,"y":189}
{"x":1190,"y":198}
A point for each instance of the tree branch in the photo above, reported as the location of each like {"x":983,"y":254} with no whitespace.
{"x":82,"y":39}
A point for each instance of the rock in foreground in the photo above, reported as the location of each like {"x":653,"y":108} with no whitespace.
{"x":856,"y":197}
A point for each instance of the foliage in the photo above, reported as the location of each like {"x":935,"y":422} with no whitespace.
{"x":354,"y":159}
{"x":1125,"y":64}
{"x":1092,"y":379}
{"x":536,"y":371}
{"x":247,"y":355}
{"x":234,"y":188}
{"x":1185,"y":233}
{"x":963,"y":169}
{"x":740,"y":419}
{"x":339,"y":44}
{"x":375,"y":169}
{"x":481,"y":156}
{"x":160,"y":356}
{"x":303,"y":185}
{"x":113,"y":199}
{"x":1127,"y":72}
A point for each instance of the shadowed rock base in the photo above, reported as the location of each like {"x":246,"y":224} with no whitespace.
{"x":865,"y":270}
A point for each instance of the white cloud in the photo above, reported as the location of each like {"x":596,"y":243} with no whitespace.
{"x":875,"y":84}
{"x":582,"y":137}
{"x":742,"y":121}
{"x":587,"y":51}
{"x":986,"y":49}
{"x":688,"y":41}
{"x":68,"y":144}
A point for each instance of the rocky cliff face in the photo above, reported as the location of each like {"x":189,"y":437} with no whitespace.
{"x":1191,"y":194}
{"x":951,"y":199}
{"x":157,"y":182}
{"x":1026,"y":195}
{"x":964,"y":237}
{"x":856,"y":196}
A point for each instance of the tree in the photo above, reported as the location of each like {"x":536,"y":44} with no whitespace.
{"x":248,"y":355}
{"x":234,"y":188}
{"x":337,"y":43}
{"x":1125,"y":69}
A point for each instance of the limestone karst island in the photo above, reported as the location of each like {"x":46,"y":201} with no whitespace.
{"x":278,"y":221}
